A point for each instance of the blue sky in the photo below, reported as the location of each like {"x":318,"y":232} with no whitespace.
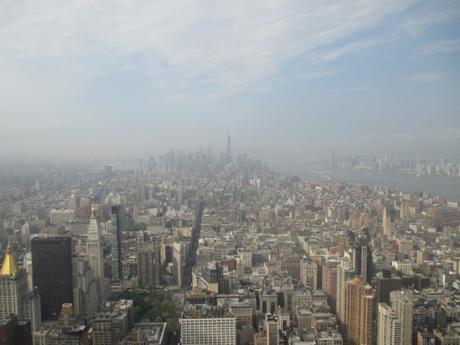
{"x":130,"y":78}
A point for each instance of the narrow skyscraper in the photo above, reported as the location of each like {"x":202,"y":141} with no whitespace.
{"x":93,"y":246}
{"x":116,"y":243}
{"x":229,"y":147}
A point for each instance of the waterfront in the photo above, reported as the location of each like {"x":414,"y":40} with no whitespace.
{"x":444,"y":186}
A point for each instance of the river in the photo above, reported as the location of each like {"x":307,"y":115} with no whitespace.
{"x":444,"y":186}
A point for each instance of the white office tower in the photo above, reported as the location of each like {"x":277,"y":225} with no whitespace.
{"x":207,"y":325}
{"x":388,"y":326}
{"x":401,"y":303}
{"x":94,"y":249}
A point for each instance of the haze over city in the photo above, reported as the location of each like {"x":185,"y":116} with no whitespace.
{"x":289,"y":80}
{"x":257,"y":172}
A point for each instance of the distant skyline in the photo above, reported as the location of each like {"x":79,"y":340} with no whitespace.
{"x":289,"y":80}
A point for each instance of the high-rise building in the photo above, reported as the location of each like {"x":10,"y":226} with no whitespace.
{"x":329,"y":281}
{"x":344,"y":273}
{"x":388,"y":326}
{"x":384,"y":283}
{"x":358,"y":309}
{"x":362,"y":258}
{"x":14,"y":292}
{"x":387,"y":221}
{"x":52,"y":273}
{"x":87,"y":295}
{"x":116,"y":243}
{"x":229,"y":147}
{"x":207,"y":325}
{"x":148,"y":266}
{"x":15,"y":295}
{"x":402,"y":304}
{"x":94,"y":249}
{"x":179,"y":255}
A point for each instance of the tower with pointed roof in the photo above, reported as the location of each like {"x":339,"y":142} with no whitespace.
{"x":94,"y":248}
{"x":14,"y":291}
{"x":9,"y":267}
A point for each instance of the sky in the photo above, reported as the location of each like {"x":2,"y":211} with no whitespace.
{"x":288,"y":79}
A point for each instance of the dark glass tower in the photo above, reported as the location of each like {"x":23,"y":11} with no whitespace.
{"x":52,"y":273}
{"x":362,"y":257}
{"x":116,"y":243}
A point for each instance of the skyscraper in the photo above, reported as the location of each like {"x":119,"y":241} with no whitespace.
{"x":229,"y":147}
{"x":94,"y":248}
{"x":329,"y":281}
{"x":16,"y":296}
{"x":387,"y":221}
{"x":87,"y":295}
{"x":148,"y":266}
{"x":358,"y":310}
{"x":116,"y":243}
{"x":362,"y":258}
{"x":344,"y":273}
{"x":401,"y":303}
{"x":52,"y":273}
{"x":388,"y":327}
{"x":14,"y":291}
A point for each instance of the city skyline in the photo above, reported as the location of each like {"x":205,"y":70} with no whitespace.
{"x":276,"y":172}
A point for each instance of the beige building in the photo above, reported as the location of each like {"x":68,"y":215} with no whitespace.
{"x":358,"y":310}
{"x":388,"y":326}
{"x":401,"y":302}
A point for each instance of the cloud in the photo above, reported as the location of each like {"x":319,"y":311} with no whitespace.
{"x":184,"y":43}
{"x":427,"y":14}
{"x":348,"y":48}
{"x":441,"y":47}
{"x":428,"y":77}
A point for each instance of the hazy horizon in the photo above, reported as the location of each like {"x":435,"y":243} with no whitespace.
{"x":289,"y":80}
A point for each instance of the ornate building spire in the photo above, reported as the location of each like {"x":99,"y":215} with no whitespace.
{"x":9,"y":267}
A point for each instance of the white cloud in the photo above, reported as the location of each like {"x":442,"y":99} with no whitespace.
{"x":180,"y":43}
{"x":440,"y":47}
{"x":348,"y":48}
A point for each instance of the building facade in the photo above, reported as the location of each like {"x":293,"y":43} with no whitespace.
{"x":52,"y":273}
